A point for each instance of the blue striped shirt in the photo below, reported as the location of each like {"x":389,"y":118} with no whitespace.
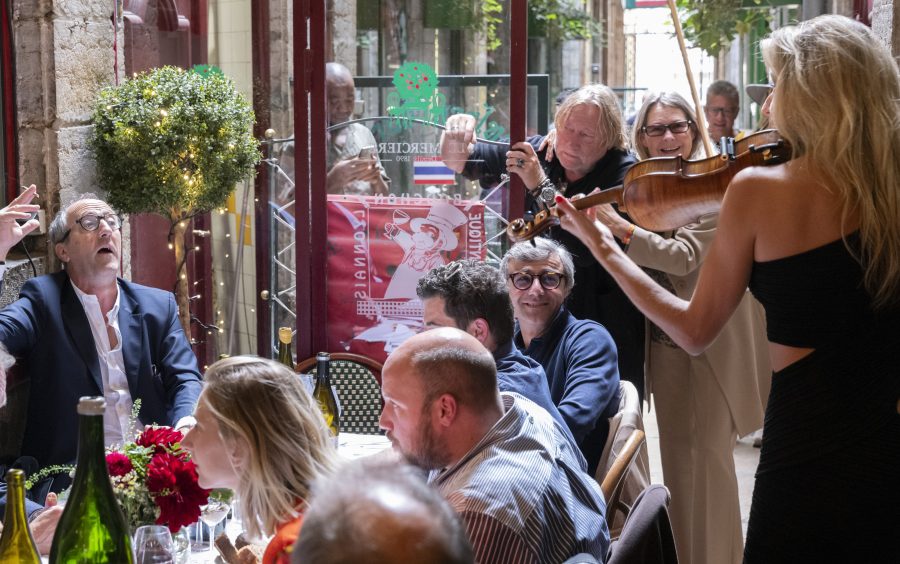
{"x":522,"y":494}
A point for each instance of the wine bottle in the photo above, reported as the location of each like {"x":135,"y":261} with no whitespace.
{"x":92,"y":528}
{"x":16,"y":543}
{"x":284,"y":347}
{"x":324,"y":395}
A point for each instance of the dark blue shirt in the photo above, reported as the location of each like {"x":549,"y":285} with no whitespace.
{"x":579,"y":358}
{"x":523,"y":375}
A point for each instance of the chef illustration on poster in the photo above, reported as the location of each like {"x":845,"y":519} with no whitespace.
{"x":422,"y":246}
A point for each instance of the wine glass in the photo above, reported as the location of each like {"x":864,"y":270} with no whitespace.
{"x":212,"y":514}
{"x":153,"y":545}
{"x":198,"y":541}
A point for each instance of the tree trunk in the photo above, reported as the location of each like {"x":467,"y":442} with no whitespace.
{"x":182,"y":297}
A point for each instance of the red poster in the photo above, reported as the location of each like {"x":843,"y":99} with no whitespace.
{"x":378,"y":249}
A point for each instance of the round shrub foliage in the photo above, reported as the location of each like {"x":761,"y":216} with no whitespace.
{"x":173,"y":142}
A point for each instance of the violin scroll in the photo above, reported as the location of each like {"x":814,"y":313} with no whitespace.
{"x":523,"y":229}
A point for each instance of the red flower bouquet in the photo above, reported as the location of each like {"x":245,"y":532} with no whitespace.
{"x":155,"y":480}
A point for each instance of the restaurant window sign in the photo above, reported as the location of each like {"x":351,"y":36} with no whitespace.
{"x":378,"y":249}
{"x":388,"y":209}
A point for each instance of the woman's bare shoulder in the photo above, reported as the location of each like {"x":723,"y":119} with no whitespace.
{"x":761,"y":176}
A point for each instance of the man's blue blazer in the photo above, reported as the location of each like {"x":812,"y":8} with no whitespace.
{"x":48,"y":332}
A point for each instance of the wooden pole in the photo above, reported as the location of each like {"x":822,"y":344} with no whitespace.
{"x":698,"y":108}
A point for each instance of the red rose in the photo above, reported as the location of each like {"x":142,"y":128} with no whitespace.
{"x":160,"y":437}
{"x":179,"y":504}
{"x":118,"y":464}
{"x":160,"y":477}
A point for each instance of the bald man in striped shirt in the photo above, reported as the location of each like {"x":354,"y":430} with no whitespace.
{"x":501,"y":461}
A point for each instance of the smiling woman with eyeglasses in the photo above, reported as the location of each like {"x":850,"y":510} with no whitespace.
{"x":720,"y":386}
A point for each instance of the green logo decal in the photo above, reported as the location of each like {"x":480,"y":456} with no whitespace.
{"x":416,"y":94}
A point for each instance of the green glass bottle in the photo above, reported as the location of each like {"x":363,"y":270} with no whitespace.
{"x":324,"y":395}
{"x":16,"y":543}
{"x":284,"y":347}
{"x":92,"y":529}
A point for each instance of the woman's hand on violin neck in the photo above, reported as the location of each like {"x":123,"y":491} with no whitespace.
{"x":608,"y":216}
{"x":523,"y":161}
{"x":596,"y":236}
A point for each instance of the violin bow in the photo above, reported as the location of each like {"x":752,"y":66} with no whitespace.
{"x":701,"y":118}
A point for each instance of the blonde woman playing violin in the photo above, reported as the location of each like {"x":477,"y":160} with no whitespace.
{"x":702,"y":402}
{"x":817,"y":239}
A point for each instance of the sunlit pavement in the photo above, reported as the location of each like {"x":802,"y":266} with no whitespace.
{"x":746,"y":457}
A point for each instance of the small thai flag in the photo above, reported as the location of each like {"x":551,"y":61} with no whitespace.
{"x":432,"y":170}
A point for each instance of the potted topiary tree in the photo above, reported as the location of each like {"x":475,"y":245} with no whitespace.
{"x":174,"y":143}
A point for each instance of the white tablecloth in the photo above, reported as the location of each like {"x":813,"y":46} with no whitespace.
{"x":350,"y":446}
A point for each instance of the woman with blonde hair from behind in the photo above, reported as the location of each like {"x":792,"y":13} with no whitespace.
{"x":702,"y":402}
{"x":260,"y":433}
{"x":817,"y":239}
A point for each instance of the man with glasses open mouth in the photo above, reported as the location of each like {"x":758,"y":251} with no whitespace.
{"x":86,"y":332}
{"x":579,"y":356}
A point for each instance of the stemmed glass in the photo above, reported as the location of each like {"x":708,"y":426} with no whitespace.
{"x":153,"y":545}
{"x":212,"y":514}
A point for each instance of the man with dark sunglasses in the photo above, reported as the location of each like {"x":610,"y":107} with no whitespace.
{"x":86,"y":332}
{"x":579,"y":356}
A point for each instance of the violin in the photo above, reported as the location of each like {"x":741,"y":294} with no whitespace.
{"x":666,"y":193}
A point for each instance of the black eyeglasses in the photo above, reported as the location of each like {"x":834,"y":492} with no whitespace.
{"x":91,"y":221}
{"x":675,"y":127}
{"x":727,"y":112}
{"x":549,"y":280}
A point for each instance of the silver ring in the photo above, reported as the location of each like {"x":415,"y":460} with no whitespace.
{"x":520,"y":163}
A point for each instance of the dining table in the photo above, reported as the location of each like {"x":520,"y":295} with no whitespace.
{"x":350,"y":446}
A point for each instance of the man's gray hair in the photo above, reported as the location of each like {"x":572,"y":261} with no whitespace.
{"x":539,"y":249}
{"x":59,"y":226}
{"x":348,"y":519}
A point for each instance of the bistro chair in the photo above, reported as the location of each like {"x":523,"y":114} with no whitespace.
{"x":13,"y":414}
{"x":647,"y":535}
{"x":357,"y":380}
{"x":621,"y":426}
{"x":614,"y":482}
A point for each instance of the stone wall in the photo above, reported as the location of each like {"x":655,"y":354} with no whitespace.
{"x":885,"y":16}
{"x":64,"y":56}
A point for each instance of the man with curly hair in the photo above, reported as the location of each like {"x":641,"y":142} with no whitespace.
{"x":472,"y":296}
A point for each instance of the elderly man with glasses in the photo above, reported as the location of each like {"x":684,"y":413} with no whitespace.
{"x":86,"y":332}
{"x":721,"y":109}
{"x":578,"y":356}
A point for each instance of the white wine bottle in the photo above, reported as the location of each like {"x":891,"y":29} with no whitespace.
{"x":92,"y":529}
{"x":284,"y":347}
{"x":324,"y":395}
{"x":16,"y":543}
